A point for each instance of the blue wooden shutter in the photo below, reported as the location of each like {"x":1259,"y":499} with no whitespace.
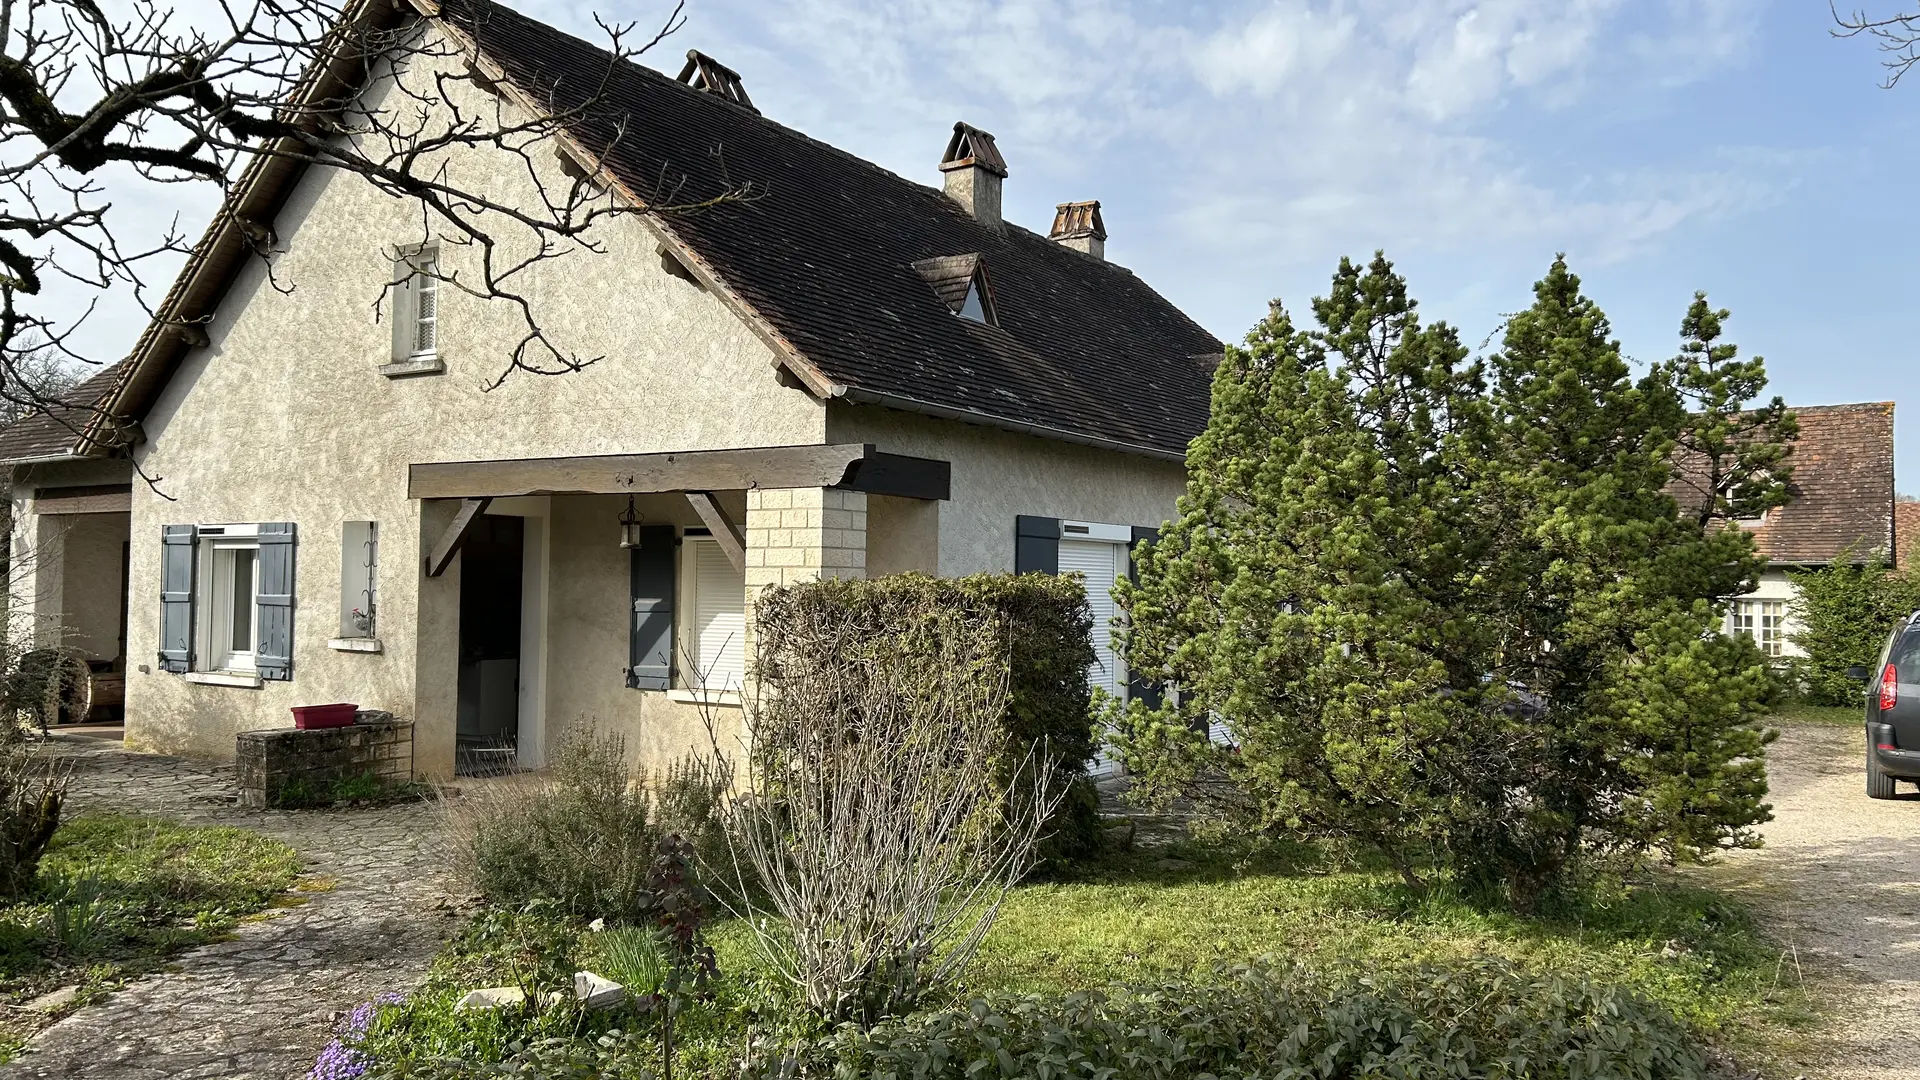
{"x":1036,"y":545}
{"x":273,"y":653}
{"x":176,"y":597}
{"x":650,"y":638}
{"x":1151,"y":694}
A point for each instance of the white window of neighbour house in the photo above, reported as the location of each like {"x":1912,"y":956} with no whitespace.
{"x":1764,"y":621}
{"x":714,"y":625}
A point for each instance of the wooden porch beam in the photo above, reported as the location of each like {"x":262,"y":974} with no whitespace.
{"x":457,"y":532}
{"x":854,"y":466}
{"x":731,"y":539}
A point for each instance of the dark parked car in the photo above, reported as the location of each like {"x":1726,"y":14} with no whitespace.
{"x":1893,"y":712}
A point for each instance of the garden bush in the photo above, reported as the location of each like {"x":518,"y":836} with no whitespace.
{"x":1484,"y":1019}
{"x":584,"y":835}
{"x":1846,"y":610}
{"x":32,"y":790}
{"x":581,"y":836}
{"x":1048,"y":700}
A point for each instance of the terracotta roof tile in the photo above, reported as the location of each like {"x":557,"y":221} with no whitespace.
{"x":1906,"y":533}
{"x":1842,"y":487}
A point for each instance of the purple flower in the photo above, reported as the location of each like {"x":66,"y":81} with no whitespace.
{"x":341,"y":1058}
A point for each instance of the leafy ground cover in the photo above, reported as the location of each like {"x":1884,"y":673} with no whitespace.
{"x":1144,"y":918}
{"x":118,"y":894}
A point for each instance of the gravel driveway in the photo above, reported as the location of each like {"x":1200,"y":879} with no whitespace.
{"x":1839,"y":882}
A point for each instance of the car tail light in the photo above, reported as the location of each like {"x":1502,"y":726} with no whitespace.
{"x":1889,"y":688}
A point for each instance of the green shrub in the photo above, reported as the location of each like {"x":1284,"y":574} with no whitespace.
{"x":1049,"y":623}
{"x":1481,"y":1020}
{"x":1846,"y":609}
{"x":580,"y":836}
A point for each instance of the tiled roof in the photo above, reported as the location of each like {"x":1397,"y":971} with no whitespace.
{"x":56,"y":432}
{"x":825,"y":252}
{"x":1842,"y":487}
{"x":1906,"y":533}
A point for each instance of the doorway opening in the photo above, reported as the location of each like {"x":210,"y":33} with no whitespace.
{"x":487,"y":710}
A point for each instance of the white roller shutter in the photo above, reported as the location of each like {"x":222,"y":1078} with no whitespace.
{"x":719,"y":616}
{"x":1102,"y":563}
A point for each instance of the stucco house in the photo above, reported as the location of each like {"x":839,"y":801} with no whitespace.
{"x":1841,"y":507}
{"x":851,"y":374}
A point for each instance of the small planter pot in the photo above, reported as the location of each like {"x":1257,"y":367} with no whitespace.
{"x":323,"y":716}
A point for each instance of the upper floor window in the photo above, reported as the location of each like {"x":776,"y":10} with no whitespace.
{"x":416,"y":306}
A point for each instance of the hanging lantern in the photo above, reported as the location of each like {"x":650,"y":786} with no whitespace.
{"x":630,"y":526}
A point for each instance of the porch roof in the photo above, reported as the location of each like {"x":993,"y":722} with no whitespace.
{"x":853,"y":466}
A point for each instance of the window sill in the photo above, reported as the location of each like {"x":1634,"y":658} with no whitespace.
{"x":413,"y":365}
{"x":730,"y":698}
{"x":354,"y":644}
{"x":245,"y":680}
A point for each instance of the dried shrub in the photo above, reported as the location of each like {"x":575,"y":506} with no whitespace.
{"x":887,"y":806}
{"x":32,"y":792}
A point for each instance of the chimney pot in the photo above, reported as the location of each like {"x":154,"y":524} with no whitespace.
{"x":1077,"y":225}
{"x":974,"y":170}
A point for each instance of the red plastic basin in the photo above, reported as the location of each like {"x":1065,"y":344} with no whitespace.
{"x":324,"y":716}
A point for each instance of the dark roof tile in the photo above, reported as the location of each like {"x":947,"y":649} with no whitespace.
{"x":822,"y":249}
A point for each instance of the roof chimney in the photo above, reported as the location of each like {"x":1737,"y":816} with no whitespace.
{"x":974,"y":170}
{"x":1078,"y":226}
{"x":706,"y":74}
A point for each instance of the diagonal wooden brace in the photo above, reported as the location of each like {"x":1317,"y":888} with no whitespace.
{"x":457,"y":532}
{"x":729,"y":537}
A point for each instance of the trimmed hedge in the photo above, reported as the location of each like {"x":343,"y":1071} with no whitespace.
{"x":1050,"y":625}
{"x":1481,"y":1020}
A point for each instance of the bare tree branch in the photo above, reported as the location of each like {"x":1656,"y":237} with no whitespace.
{"x":1898,"y":37}
{"x":373,"y":88}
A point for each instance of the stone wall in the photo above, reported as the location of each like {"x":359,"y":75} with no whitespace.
{"x":268,"y":762}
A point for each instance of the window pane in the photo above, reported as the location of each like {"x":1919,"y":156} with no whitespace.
{"x":426,"y":311}
{"x":971,"y":308}
{"x":242,"y":615}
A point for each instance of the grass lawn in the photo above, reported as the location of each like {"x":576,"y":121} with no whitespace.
{"x":1691,"y":949}
{"x":117,"y":895}
{"x":1833,"y":715}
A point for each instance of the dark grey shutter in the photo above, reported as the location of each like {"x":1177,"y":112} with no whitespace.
{"x":650,"y":641}
{"x":1036,"y":545}
{"x":176,"y":597}
{"x":1151,"y":694}
{"x":273,"y":653}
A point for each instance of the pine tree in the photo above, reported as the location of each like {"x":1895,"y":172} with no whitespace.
{"x":1307,"y":593}
{"x":1460,"y":621}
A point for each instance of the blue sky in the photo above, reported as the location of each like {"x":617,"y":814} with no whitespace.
{"x":1240,"y":147}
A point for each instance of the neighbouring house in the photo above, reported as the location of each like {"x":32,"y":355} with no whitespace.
{"x":1906,"y":532}
{"x":1842,"y":507}
{"x":850,"y":374}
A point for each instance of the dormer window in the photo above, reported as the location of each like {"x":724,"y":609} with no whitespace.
{"x":973,"y":307}
{"x":961,"y":283}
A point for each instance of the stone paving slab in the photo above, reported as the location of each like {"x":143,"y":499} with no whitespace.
{"x":259,"y":1005}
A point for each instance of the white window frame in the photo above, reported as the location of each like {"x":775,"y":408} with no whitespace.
{"x":687,"y":675}
{"x":1763,"y":620}
{"x":359,"y":580}
{"x":418,"y":275}
{"x":214,"y":600}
